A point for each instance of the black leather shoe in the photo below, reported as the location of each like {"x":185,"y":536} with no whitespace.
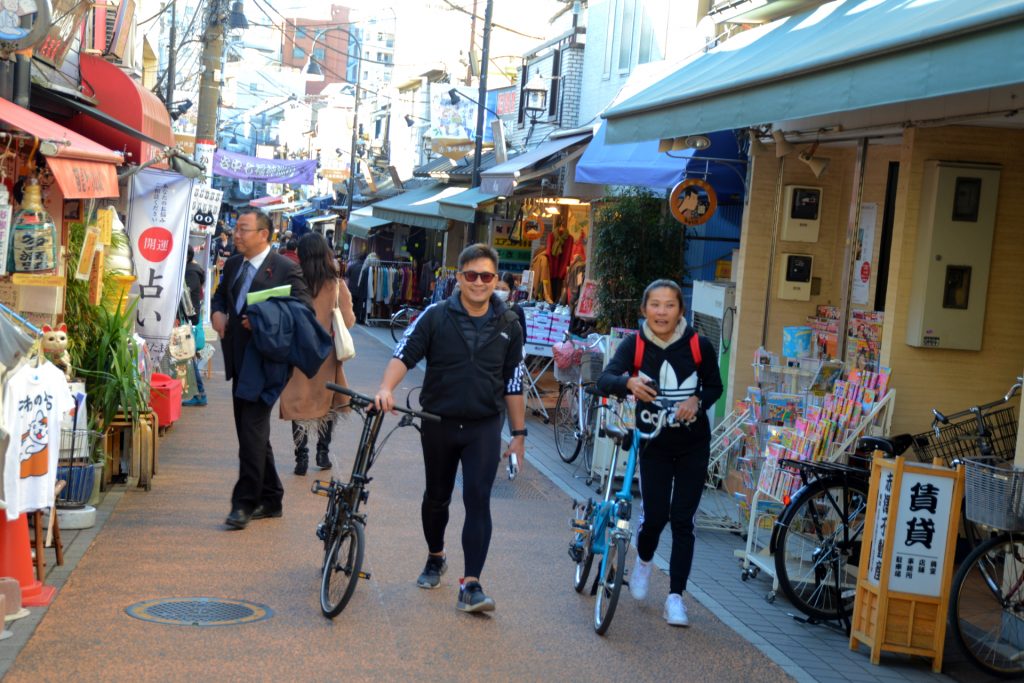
{"x":238,"y":519}
{"x":262,"y":512}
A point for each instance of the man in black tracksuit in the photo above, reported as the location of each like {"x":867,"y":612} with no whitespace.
{"x":473,"y":347}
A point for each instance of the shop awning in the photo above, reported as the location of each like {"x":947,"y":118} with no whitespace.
{"x":323,"y":218}
{"x":843,"y":56}
{"x":420,"y":207}
{"x":267,"y":201}
{"x":289,"y":206}
{"x":146,"y":128}
{"x":363,"y":222}
{"x":463,"y":206}
{"x":84,"y":169}
{"x":304,"y":211}
{"x":502,"y":179}
{"x":641,"y":164}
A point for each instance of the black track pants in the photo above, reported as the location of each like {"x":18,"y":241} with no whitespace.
{"x":477,"y":445}
{"x":671,"y":483}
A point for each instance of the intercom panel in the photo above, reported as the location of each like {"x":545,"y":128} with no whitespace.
{"x":801,"y":213}
{"x":955,"y":231}
{"x":795,"y":276}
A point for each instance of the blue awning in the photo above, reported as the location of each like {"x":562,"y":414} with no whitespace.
{"x":640,"y":164}
{"x":843,"y":56}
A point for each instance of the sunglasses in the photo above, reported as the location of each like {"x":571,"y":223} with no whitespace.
{"x":472,"y":275}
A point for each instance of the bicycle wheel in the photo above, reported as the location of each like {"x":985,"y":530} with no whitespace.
{"x":566,"y":423}
{"x":608,"y":592}
{"x":987,"y":605}
{"x":399,"y":321}
{"x":587,"y":559}
{"x":818,"y":546}
{"x":590,"y":434}
{"x":341,"y":569}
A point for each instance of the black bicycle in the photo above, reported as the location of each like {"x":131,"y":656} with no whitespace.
{"x":341,"y":529}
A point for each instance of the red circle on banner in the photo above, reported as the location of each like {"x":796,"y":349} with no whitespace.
{"x":155,"y":244}
{"x":865,"y":271}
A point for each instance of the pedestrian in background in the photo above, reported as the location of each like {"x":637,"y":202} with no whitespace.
{"x":473,"y":346}
{"x":291,"y":250}
{"x":678,"y":367}
{"x":352,"y":272}
{"x":307,"y":402}
{"x":195,"y":278}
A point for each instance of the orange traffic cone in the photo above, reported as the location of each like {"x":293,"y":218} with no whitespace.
{"x":16,"y":562}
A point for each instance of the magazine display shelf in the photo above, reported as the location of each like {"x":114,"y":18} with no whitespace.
{"x":756,"y":556}
{"x":716,"y":511}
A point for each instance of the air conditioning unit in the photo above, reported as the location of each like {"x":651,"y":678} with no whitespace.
{"x":714,"y":312}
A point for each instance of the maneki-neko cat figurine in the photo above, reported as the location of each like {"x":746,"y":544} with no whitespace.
{"x":55,"y":348}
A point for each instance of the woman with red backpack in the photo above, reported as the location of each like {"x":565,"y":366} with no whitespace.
{"x":667,"y":364}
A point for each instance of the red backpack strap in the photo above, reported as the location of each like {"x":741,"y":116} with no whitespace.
{"x":638,"y":354}
{"x":695,"y":349}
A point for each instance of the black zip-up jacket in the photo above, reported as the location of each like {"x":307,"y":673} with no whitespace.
{"x":677,"y":376}
{"x":470,"y":370}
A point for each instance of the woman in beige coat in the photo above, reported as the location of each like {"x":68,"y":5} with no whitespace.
{"x":307,"y":402}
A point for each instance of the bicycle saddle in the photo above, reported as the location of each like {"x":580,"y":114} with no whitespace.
{"x":622,"y":437}
{"x":891,"y":446}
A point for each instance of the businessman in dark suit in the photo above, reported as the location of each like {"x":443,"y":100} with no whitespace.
{"x":258,"y":492}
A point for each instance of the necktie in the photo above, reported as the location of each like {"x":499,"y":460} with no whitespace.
{"x":246,"y":277}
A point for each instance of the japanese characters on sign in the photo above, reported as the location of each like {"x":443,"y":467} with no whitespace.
{"x":881,"y":520}
{"x":243,"y":167}
{"x":204,"y":209}
{"x":158,"y":224}
{"x":922,"y":527}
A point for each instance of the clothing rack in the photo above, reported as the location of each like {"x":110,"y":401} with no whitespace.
{"x":375,"y":302}
{"x":29,"y":326}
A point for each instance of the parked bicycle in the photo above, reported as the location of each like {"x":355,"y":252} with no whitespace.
{"x":578,"y":365}
{"x":403,"y":318}
{"x":341,"y":529}
{"x":986,"y":608}
{"x":603,"y":527}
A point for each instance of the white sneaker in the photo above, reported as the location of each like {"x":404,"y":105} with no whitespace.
{"x":675,"y":610}
{"x":640,"y":578}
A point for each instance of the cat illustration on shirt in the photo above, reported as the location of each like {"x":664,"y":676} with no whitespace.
{"x":35,"y":447}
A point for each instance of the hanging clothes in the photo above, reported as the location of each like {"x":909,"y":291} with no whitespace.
{"x":35,"y":401}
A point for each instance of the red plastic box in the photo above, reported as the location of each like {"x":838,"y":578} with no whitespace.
{"x":165,"y":398}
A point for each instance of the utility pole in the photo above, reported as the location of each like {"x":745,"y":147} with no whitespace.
{"x":171,"y":50}
{"x":209,"y":87}
{"x":472,"y":45}
{"x":482,"y":94}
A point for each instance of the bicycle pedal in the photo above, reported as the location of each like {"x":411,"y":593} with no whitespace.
{"x":365,"y":576}
{"x":319,"y":488}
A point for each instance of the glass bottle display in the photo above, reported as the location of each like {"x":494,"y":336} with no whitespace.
{"x":33,"y":235}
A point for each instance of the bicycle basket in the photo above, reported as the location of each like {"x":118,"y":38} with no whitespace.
{"x":74,"y":466}
{"x":567,"y":374}
{"x":959,"y":440}
{"x":995,"y":495}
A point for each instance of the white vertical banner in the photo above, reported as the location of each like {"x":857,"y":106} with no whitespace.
{"x":158,"y":227}
{"x":862,"y":268}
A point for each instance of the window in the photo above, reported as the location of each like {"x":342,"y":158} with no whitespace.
{"x":298,"y":53}
{"x":625,"y":25}
{"x":253,"y":88}
{"x":653,"y":20}
{"x":300,"y":33}
{"x":320,"y":54}
{"x":556,"y":69}
{"x":609,"y":43}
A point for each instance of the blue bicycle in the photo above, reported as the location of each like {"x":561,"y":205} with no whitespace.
{"x":602,"y":528}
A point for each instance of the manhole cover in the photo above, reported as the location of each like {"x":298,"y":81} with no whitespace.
{"x":199,"y":611}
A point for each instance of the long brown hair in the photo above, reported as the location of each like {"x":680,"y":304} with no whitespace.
{"x":316,"y":261}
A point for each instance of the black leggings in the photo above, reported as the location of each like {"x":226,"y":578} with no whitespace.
{"x":477,"y":445}
{"x":671,"y":482}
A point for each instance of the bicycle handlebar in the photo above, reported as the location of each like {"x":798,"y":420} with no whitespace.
{"x":363,"y":401}
{"x":944,"y":419}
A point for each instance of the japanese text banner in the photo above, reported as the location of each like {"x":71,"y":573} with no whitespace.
{"x":243,"y":167}
{"x":158,"y":223}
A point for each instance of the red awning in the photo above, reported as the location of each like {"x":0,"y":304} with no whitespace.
{"x":267,"y":201}
{"x":83,"y":169}
{"x":127,"y":101}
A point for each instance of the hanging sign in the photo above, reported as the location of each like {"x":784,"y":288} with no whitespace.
{"x":244,"y":167}
{"x":204,"y":208}
{"x":158,"y":224}
{"x":861,"y":281}
{"x":693,"y":201}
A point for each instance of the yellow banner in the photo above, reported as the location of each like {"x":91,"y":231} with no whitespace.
{"x":32,"y":280}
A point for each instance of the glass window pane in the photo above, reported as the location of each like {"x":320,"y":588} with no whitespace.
{"x":626,"y":34}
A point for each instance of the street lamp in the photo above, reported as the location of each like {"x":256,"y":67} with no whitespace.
{"x":535,"y":94}
{"x":313,"y":70}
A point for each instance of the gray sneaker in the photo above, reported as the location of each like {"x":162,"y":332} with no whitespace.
{"x":472,"y":599}
{"x":431,"y":576}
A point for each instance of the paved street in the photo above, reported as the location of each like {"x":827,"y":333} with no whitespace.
{"x":171,"y":542}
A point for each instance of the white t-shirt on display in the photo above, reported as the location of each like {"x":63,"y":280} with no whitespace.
{"x":36,"y":399}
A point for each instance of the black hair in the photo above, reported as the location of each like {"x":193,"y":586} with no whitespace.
{"x":658,"y":284}
{"x":316,"y":261}
{"x":509,"y":279}
{"x":477,"y":251}
{"x":292,"y":245}
{"x":191,"y":252}
{"x":263,"y":221}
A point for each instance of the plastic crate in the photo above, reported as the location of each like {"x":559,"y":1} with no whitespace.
{"x":994,"y":494}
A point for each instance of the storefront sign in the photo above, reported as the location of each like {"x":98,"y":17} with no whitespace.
{"x":861,"y":279}
{"x":922,"y":532}
{"x":693,"y":201}
{"x":158,"y":223}
{"x":452,"y":148}
{"x":244,"y":167}
{"x":67,"y":18}
{"x":204,"y":208}
{"x":881,"y":521}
